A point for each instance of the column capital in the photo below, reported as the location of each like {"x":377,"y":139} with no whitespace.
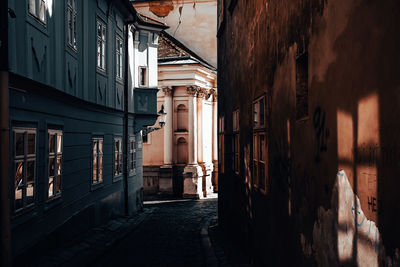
{"x":213,"y":92}
{"x":192,"y":90}
{"x":202,"y":93}
{"x":168,"y":90}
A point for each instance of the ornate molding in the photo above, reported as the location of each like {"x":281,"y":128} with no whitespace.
{"x":202,"y":93}
{"x":192,"y":90}
{"x":213,"y":92}
{"x":168,"y":90}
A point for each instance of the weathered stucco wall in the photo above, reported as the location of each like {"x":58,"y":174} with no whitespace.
{"x":191,"y":22}
{"x":320,"y":217}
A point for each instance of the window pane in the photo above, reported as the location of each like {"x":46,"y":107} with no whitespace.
{"x":58,"y":185}
{"x":99,"y":30}
{"x":255,"y":107}
{"x":101,"y":146}
{"x":50,"y":187}
{"x":95,"y":169}
{"x":52,"y":138}
{"x":29,"y":194}
{"x":262,"y":175}
{"x":19,"y":144}
{"x":31,"y":143}
{"x":32,"y":7}
{"x":103,"y":35}
{"x":100,"y":168}
{"x":30,"y":172}
{"x":262,"y":106}
{"x":116,"y":164}
{"x":18,"y":199}
{"x":42,"y":10}
{"x":120,"y":163}
{"x":19,"y":174}
{"x":59,"y":143}
{"x":262,"y":145}
{"x":95,"y":147}
{"x":58,"y":166}
{"x":51,"y":166}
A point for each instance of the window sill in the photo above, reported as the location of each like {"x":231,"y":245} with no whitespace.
{"x":52,"y":202}
{"x":102,"y":72}
{"x":22,"y":212}
{"x":95,"y":186}
{"x":117,"y":178}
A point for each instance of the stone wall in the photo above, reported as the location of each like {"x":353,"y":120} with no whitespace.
{"x":347,"y":53}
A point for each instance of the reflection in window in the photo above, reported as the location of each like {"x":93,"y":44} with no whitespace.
{"x":101,"y":45}
{"x":132,"y":156}
{"x":55,"y":163}
{"x":71,"y":23}
{"x":37,"y":8}
{"x":24,"y":167}
{"x":119,"y":56}
{"x":118,"y":157}
{"x":97,"y":144}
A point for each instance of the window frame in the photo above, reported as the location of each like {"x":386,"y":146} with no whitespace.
{"x":119,"y":57}
{"x":101,"y":55}
{"x":259,"y":133}
{"x":72,"y":14}
{"x":235,"y":142}
{"x":99,"y":179}
{"x":55,"y":155}
{"x":25,"y":159}
{"x":118,"y":160}
{"x":132,"y":155}
{"x":146,"y":78}
{"x":35,"y":13}
{"x":221,"y":143}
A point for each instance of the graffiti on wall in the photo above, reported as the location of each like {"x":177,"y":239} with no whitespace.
{"x":321,"y":132}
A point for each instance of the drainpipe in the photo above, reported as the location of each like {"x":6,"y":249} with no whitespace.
{"x":5,"y":200}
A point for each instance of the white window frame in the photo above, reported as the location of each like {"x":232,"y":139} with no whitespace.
{"x":101,"y":45}
{"x":146,"y":78}
{"x":118,"y":157}
{"x":57,"y":156}
{"x":71,"y":24}
{"x":98,"y":154}
{"x":23,"y":160}
{"x":119,"y":57}
{"x":38,"y":10}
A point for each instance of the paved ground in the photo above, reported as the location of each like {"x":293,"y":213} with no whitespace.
{"x":171,"y":235}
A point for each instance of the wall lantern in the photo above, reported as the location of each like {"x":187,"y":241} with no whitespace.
{"x":162,"y":114}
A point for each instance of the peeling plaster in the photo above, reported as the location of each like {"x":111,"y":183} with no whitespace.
{"x":343,"y":235}
{"x":161,"y":9}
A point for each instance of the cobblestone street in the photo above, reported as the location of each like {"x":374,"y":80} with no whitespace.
{"x":169,"y":236}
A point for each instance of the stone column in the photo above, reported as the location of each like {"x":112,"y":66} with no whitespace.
{"x":168,"y":127}
{"x":200,"y":103}
{"x":165,"y":178}
{"x":215,"y":140}
{"x":192,"y":185}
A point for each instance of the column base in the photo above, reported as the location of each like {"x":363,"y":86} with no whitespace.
{"x":192,"y":182}
{"x":165,"y":182}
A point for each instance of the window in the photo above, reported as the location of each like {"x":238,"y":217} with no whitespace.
{"x":182,"y":118}
{"x":71,"y":23}
{"x":118,"y":157}
{"x":132,"y":156}
{"x":259,"y":113}
{"x":143,"y":76}
{"x":302,"y":86}
{"x":54,"y":163}
{"x":97,"y":160}
{"x":260,"y":145}
{"x":235,"y":142}
{"x":37,"y":8}
{"x":24,"y":167}
{"x":101,"y":45}
{"x":221,"y":145}
{"x":119,"y":56}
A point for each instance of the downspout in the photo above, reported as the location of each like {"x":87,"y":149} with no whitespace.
{"x":5,"y":199}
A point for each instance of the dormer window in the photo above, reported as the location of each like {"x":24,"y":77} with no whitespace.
{"x":37,"y":8}
{"x":143,"y":76}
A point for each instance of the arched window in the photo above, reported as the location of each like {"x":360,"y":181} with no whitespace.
{"x":182,"y":118}
{"x":182,"y":151}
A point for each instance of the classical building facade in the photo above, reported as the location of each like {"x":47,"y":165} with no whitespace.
{"x":78,"y":83}
{"x":181,"y":158}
